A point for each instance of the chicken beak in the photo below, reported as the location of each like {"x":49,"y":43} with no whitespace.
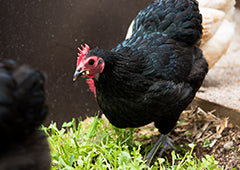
{"x":80,"y":73}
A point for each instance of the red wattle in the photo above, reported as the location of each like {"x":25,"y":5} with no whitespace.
{"x":91,"y":85}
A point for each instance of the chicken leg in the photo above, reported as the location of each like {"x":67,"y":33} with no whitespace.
{"x":163,"y":142}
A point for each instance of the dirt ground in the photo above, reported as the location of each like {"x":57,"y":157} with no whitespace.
{"x":211,"y":135}
{"x":222,"y":84}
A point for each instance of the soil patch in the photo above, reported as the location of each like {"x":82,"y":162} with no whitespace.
{"x":210,"y":134}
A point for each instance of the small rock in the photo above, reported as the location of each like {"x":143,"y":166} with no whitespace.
{"x":228,"y":145}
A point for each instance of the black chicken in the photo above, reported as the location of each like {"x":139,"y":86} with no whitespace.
{"x":22,"y":111}
{"x":153,"y":75}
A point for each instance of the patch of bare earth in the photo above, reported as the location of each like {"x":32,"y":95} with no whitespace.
{"x":211,"y":134}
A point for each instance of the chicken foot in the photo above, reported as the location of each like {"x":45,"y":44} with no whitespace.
{"x":163,"y":143}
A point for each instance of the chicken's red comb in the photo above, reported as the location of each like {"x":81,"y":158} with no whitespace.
{"x":83,"y":52}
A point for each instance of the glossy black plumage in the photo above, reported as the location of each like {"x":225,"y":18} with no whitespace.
{"x":153,"y":75}
{"x":22,"y":111}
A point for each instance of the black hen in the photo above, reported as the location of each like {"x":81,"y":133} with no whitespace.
{"x":153,"y":75}
{"x":22,"y":111}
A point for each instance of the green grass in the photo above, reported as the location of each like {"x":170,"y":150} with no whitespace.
{"x":99,"y":145}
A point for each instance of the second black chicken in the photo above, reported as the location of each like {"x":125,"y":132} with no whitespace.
{"x":153,"y":75}
{"x":22,"y":111}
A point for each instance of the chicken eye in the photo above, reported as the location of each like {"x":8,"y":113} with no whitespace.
{"x":100,"y":62}
{"x":91,"y":62}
